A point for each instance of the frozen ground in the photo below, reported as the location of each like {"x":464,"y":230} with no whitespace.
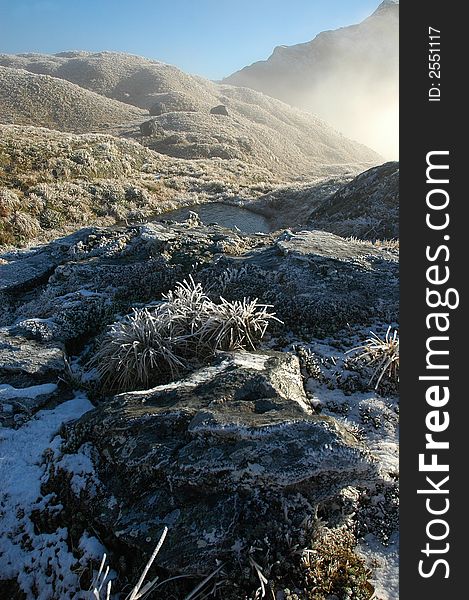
{"x":43,"y":563}
{"x":376,"y":417}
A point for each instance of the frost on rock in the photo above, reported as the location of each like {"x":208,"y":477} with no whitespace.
{"x":229,"y":444}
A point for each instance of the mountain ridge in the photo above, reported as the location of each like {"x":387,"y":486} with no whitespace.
{"x":257,"y":129}
{"x":347,"y":76}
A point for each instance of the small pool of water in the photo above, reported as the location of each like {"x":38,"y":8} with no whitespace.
{"x":224,"y":215}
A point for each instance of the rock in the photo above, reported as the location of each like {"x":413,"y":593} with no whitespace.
{"x":159,"y":108}
{"x":316,"y":281}
{"x":220,"y":458}
{"x":367,"y":207}
{"x":151,"y":128}
{"x":193,"y":219}
{"x":26,"y":362}
{"x":17,"y":405}
{"x":219,"y":110}
{"x":25,"y":270}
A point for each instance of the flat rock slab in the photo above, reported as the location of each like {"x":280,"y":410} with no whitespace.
{"x":218,"y":458}
{"x":324,"y":244}
{"x":18,"y":405}
{"x":25,"y":362}
{"x":22,"y":270}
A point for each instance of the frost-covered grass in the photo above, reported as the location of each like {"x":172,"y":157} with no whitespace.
{"x":340,"y":389}
{"x":52,"y":182}
{"x":150,"y":344}
{"x":58,"y":104}
{"x":101,"y":586}
{"x":382,"y":354}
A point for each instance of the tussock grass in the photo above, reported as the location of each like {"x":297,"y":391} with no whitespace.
{"x":53,"y":182}
{"x":155,"y":345}
{"x":382,"y":354}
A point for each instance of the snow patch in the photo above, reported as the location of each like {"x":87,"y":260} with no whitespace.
{"x":42,"y":563}
{"x":7,"y":392}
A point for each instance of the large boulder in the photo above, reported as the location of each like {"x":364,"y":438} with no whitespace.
{"x":151,"y":128}
{"x":219,"y":110}
{"x":221,"y":458}
{"x":316,"y":281}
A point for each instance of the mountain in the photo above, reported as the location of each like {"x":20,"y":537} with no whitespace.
{"x":348,"y":76}
{"x":30,"y":99}
{"x":256,"y":129}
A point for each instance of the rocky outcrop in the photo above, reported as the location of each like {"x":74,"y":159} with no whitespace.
{"x":151,"y":128}
{"x":317,"y":282}
{"x":364,"y":207}
{"x":219,"y":110}
{"x":231,"y":454}
{"x":25,"y":362}
{"x":367,"y":207}
{"x":220,"y":458}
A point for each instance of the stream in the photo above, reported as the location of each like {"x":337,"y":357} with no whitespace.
{"x":224,"y":215}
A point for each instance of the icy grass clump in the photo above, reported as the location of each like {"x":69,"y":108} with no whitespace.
{"x":149,"y":345}
{"x":382,"y":355}
{"x":41,"y":563}
{"x":133,"y":350}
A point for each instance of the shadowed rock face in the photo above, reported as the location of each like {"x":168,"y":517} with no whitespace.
{"x":219,"y":110}
{"x":367,"y":207}
{"x":25,"y":362}
{"x":150,"y":128}
{"x":236,"y":444}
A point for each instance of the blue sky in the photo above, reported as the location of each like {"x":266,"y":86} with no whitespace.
{"x":212,"y":38}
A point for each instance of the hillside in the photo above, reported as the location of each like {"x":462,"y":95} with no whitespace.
{"x":364,"y":207}
{"x":44,"y":101}
{"x":367,"y":207}
{"x":348,"y":76}
{"x":124,"y":77}
{"x":53,"y":182}
{"x":256,"y":129}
